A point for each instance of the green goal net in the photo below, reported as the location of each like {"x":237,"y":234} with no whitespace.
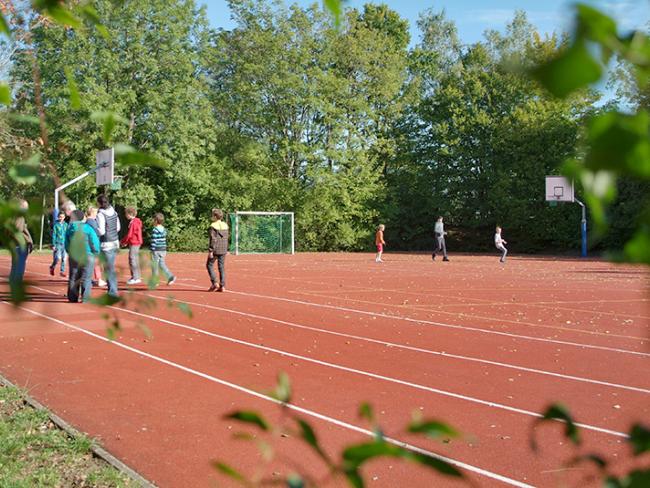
{"x":262,"y":232}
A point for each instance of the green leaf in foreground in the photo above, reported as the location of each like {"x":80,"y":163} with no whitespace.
{"x":4,"y":26}
{"x":27,"y":171}
{"x":637,"y":249}
{"x":334,"y":6}
{"x":309,"y":436}
{"x":635,"y":479}
{"x":295,"y":481}
{"x":355,"y":456}
{"x":432,"y":428}
{"x":249,"y":417}
{"x":5,"y":94}
{"x":559,"y":412}
{"x":640,"y":439}
{"x":129,"y":156}
{"x":282,"y":391}
{"x":231,"y":472}
{"x":105,"y":300}
{"x":595,"y":25}
{"x":58,"y":12}
{"x":366,"y":412}
{"x":89,"y":13}
{"x":185,"y":309}
{"x":109,"y":120}
{"x":75,"y":99}
{"x":571,"y":70}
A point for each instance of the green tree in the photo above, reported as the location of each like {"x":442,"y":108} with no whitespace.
{"x":146,"y":77}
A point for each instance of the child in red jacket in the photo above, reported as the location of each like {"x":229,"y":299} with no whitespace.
{"x":133,"y":239}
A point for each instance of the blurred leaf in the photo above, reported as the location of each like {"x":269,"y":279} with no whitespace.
{"x":5,"y":94}
{"x":640,"y":436}
{"x":18,"y":290}
{"x":4,"y":26}
{"x":129,"y":156}
{"x":595,"y":25}
{"x":635,"y":479}
{"x":442,"y":467}
{"x":110,"y":333}
{"x":282,"y":391}
{"x":185,"y":309}
{"x":105,"y":300}
{"x":58,"y":12}
{"x":366,"y":412}
{"x":75,"y":99}
{"x":295,"y":481}
{"x":27,"y":119}
{"x":90,"y":14}
{"x":309,"y":436}
{"x":637,"y":249}
{"x":27,"y":171}
{"x":77,"y":251}
{"x":559,"y":412}
{"x":354,"y":477}
{"x":620,"y":142}
{"x":249,"y":417}
{"x":230,"y":472}
{"x":109,"y":121}
{"x":571,"y":70}
{"x":335,"y":7}
{"x":360,"y":453}
{"x":432,"y":429}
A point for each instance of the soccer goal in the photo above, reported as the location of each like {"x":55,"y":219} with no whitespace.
{"x":262,"y":232}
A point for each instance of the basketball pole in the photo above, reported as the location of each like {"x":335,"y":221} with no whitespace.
{"x":583,"y":227}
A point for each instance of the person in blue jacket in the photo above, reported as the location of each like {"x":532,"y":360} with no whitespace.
{"x":82,"y":245}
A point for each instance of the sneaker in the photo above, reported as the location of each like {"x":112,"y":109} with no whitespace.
{"x":134,"y":281}
{"x":51,"y":271}
{"x":221,"y":289}
{"x":445,"y":259}
{"x":433,"y":257}
{"x":171,"y":280}
{"x":213,"y":287}
{"x":62,"y":274}
{"x":102,"y":283}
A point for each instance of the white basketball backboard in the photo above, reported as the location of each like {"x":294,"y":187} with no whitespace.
{"x":559,"y":189}
{"x":105,"y":167}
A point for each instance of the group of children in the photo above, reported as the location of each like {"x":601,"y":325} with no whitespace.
{"x":85,"y":238}
{"x":439,"y":232}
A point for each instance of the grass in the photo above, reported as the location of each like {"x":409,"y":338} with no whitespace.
{"x":35,"y":452}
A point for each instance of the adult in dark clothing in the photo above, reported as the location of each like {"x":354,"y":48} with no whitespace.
{"x":22,"y":248}
{"x":217,"y":249}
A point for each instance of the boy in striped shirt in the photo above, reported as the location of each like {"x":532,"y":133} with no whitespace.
{"x":159,"y":248}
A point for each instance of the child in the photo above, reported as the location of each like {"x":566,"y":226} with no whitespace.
{"x":82,"y":245}
{"x":133,"y":239}
{"x":379,"y":242}
{"x":108,"y":224}
{"x":499,"y":243}
{"x":159,"y":248}
{"x":439,"y":231}
{"x":91,"y":220}
{"x":217,"y":249}
{"x":58,"y":243}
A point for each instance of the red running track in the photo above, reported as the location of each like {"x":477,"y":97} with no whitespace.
{"x":483,"y":346}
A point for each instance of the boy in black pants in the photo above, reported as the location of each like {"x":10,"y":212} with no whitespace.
{"x":217,"y":250}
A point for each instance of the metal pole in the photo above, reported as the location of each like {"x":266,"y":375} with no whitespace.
{"x":236,"y":233}
{"x":583,"y":228}
{"x":40,"y":244}
{"x":293,"y":236}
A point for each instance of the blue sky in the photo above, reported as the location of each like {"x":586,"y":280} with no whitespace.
{"x":473,"y":17}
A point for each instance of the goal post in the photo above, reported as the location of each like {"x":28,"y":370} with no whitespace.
{"x":262,"y":232}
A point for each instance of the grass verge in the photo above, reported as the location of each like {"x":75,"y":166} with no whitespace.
{"x":35,"y":452}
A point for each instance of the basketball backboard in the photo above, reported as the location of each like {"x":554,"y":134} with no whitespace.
{"x":559,"y":189}
{"x":105,"y":167}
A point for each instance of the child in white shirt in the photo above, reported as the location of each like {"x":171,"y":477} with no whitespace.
{"x":499,"y":243}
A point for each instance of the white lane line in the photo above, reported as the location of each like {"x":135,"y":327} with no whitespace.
{"x":411,"y":348}
{"x":311,"y":413}
{"x":429,"y":322}
{"x":441,"y":324}
{"x":363,"y":373}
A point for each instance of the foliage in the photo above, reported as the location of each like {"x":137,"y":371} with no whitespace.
{"x":348,"y":465}
{"x":617,"y":143}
